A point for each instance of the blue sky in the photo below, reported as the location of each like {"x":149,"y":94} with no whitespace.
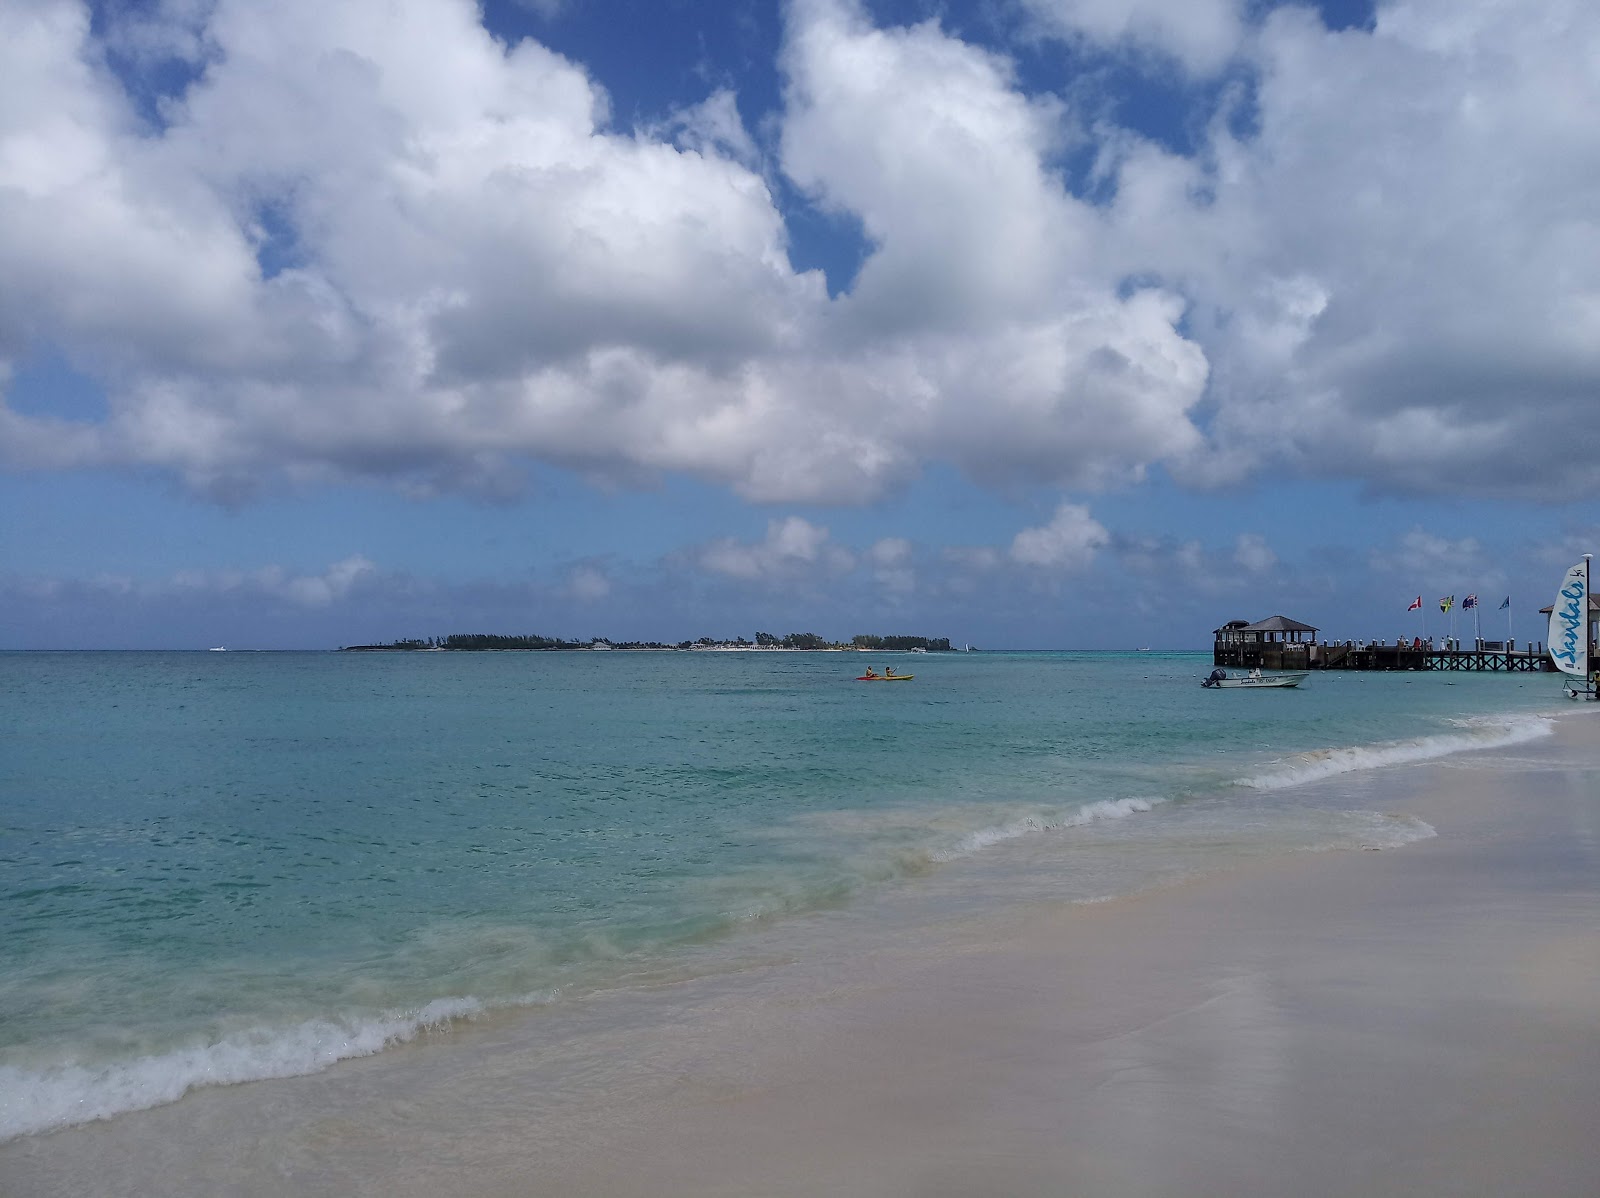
{"x":1030,"y":323}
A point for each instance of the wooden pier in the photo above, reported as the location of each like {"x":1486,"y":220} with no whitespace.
{"x":1279,"y":643}
{"x":1371,"y":656}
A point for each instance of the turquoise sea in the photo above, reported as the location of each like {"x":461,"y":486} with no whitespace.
{"x":218,"y":867}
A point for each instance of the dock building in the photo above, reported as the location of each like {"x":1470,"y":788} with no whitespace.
{"x":1279,"y":643}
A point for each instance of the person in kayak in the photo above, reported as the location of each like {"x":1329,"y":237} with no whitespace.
{"x":871,"y":673}
{"x":888,"y":671}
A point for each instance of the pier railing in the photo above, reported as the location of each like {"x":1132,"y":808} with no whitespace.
{"x":1493,"y":656}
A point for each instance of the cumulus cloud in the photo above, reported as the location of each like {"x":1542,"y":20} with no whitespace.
{"x":793,"y":548}
{"x":1418,"y":553}
{"x":376,"y":242}
{"x":339,"y":581}
{"x":1068,"y":542}
{"x":994,"y":333}
{"x":1396,"y":272}
{"x":334,"y":583}
{"x":369,"y":242}
{"x":1252,"y":553}
{"x":1201,"y":34}
{"x":1437,"y":565}
{"x":714,"y":126}
{"x":372,"y":241}
{"x":891,"y":562}
{"x":588,"y":583}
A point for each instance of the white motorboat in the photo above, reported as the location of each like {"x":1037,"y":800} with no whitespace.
{"x":1254,"y":680}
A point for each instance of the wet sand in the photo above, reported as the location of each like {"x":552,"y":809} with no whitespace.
{"x":1424,"y":1020}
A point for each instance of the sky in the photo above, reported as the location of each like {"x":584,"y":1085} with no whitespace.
{"x":1025,"y":323}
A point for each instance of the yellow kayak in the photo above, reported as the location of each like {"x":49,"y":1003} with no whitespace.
{"x":881,"y":678}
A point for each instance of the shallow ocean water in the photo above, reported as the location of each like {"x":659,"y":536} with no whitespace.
{"x":219,"y":867}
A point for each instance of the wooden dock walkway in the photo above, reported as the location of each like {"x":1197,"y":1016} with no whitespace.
{"x":1487,"y":656}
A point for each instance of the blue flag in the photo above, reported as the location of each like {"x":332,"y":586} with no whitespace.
{"x":1506,"y":604}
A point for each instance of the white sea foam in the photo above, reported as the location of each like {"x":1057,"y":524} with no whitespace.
{"x":995,"y":834}
{"x":35,"y":1100}
{"x":1486,"y":733}
{"x":1379,"y":831}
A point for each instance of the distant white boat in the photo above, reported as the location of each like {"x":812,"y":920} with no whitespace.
{"x":1255,"y":680}
{"x":219,"y":649}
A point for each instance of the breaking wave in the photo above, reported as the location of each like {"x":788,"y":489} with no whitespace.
{"x":1089,"y":813}
{"x":1486,"y":733}
{"x":58,"y":1096}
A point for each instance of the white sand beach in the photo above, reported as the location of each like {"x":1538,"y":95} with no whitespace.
{"x":1422,"y":1020}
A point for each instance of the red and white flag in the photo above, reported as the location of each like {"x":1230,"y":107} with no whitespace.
{"x":1416,"y":604}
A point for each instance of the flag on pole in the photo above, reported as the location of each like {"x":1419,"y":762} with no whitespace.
{"x":1447,"y":603}
{"x":1506,"y":604}
{"x":1416,"y":604}
{"x":1469,"y":601}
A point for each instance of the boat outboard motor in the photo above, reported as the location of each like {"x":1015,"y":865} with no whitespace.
{"x":1216,"y":676}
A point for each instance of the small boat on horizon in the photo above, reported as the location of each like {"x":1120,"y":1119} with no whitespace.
{"x":217,"y":649}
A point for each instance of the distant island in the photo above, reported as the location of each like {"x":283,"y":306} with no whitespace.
{"x":489,"y":642}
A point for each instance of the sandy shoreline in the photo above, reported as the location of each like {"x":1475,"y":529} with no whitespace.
{"x":1417,"y":1021}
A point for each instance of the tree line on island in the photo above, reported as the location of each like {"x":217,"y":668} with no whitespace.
{"x":487,"y":642}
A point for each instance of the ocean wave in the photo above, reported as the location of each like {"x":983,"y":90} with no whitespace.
{"x":1482,"y":733}
{"x":37,"y":1100}
{"x":995,"y":834}
{"x":1378,"y":831}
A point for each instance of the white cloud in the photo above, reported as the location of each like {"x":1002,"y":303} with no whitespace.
{"x":1202,"y":34}
{"x":1397,"y":277}
{"x":548,"y":9}
{"x":793,"y":548}
{"x":1069,"y":541}
{"x":889,"y":552}
{"x":1420,"y":554}
{"x":337,"y":582}
{"x":1252,"y":553}
{"x":714,"y":126}
{"x":588,"y":583}
{"x":989,"y":331}
{"x":976,"y":559}
{"x":1198,"y":569}
{"x":891,"y":562}
{"x":375,"y":242}
{"x":334,"y":583}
